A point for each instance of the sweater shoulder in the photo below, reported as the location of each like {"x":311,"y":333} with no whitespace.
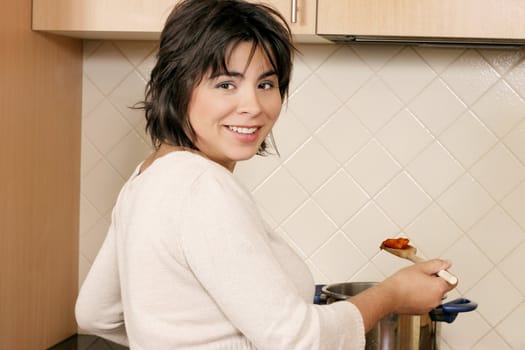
{"x":204,"y":175}
{"x":183,"y":169}
{"x":190,"y":180}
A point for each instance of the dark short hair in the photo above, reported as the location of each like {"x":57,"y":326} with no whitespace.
{"x":197,"y":39}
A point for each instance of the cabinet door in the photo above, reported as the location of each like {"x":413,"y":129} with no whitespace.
{"x":304,"y":15}
{"x":102,"y":19}
{"x":484,"y":19}
{"x":142,"y":19}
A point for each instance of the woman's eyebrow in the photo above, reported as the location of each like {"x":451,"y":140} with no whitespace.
{"x":267,"y":74}
{"x":241,"y":75}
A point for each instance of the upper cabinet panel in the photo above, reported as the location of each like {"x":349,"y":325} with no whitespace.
{"x":144,"y":19}
{"x":115,"y":19}
{"x":475,"y":21}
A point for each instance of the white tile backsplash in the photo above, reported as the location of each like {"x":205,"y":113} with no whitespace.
{"x":512,"y":267}
{"x":309,"y":227}
{"x":492,"y":341}
{"x":466,"y":202}
{"x":344,"y":72}
{"x":497,"y":234}
{"x":433,"y":232}
{"x":270,"y":196}
{"x":510,"y":330}
{"x":403,"y":200}
{"x":515,"y":76}
{"x":325,"y":103}
{"x":375,"y":222}
{"x":300,"y":165}
{"x":101,"y":186}
{"x":465,"y":331}
{"x":115,"y":126}
{"x":500,"y":97}
{"x":343,"y":135}
{"x":468,"y":139}
{"x":502,"y":60}
{"x":407,"y":74}
{"x":434,"y":169}
{"x":374,"y":104}
{"x":499,"y":172}
{"x":437,"y":106}
{"x":126,"y":95}
{"x":373,"y":167}
{"x":338,"y":259}
{"x":135,"y":50}
{"x":375,"y":141}
{"x":341,"y":197}
{"x":514,"y":141}
{"x":494,"y":283}
{"x":107,"y":67}
{"x":514,"y":204}
{"x":415,"y":137}
{"x":470,"y":76}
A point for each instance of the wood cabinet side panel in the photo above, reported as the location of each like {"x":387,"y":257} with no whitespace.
{"x":40,"y":108}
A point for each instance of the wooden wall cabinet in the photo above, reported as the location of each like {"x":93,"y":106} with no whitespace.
{"x":473,"y":21}
{"x":466,"y":21}
{"x":141,"y":19}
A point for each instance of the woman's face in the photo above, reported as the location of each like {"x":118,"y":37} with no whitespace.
{"x":233,"y":113}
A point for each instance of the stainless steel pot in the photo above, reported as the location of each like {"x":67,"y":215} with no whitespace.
{"x":400,"y":332}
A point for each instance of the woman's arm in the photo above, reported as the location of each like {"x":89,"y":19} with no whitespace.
{"x":226,"y":246}
{"x":99,"y":306}
{"x":412,"y":290}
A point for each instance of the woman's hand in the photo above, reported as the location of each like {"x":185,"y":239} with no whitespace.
{"x":413,"y":290}
{"x":416,"y":289}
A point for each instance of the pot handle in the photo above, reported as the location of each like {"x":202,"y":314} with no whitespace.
{"x":447,"y":312}
{"x":319,"y":296}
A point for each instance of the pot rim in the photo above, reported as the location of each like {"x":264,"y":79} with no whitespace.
{"x":359,"y":285}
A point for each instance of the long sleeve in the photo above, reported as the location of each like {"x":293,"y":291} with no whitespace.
{"x":189,"y":264}
{"x":227,"y":248}
{"x":99,"y":306}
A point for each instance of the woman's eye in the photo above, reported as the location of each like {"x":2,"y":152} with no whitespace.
{"x":267,"y":85}
{"x":225,"y":85}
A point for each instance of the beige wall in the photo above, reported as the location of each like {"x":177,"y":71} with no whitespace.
{"x":376,"y":141}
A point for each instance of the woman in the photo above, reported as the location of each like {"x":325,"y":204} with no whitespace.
{"x":188,"y":262}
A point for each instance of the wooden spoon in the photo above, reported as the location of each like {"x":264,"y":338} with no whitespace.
{"x":409,"y":253}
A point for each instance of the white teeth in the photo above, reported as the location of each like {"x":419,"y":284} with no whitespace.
{"x":242,"y":130}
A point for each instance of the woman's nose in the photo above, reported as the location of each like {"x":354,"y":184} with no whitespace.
{"x":249,"y":102}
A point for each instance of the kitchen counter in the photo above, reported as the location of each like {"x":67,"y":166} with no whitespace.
{"x":87,"y":342}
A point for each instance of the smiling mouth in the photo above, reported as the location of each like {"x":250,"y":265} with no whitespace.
{"x":244,"y":131}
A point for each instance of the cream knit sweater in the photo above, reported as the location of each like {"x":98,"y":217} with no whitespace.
{"x":188,"y":264}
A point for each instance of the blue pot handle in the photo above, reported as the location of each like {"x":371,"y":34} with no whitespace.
{"x":448,"y":312}
{"x":319,"y":297}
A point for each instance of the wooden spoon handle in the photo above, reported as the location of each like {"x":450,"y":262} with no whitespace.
{"x":447,"y":276}
{"x":415,"y":259}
